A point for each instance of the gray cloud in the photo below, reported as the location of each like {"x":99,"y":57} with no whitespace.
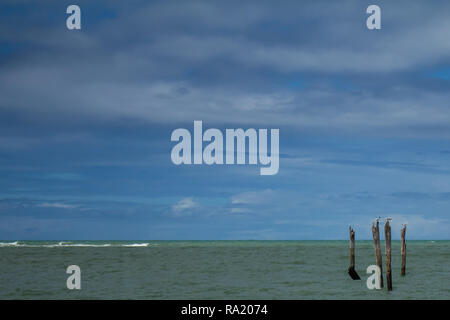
{"x":169,"y":63}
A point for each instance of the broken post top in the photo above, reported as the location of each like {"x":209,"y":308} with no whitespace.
{"x":351,"y":230}
{"x":352,"y":234}
{"x":387,"y":227}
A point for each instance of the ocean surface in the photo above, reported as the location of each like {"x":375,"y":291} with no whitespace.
{"x":216,"y":270}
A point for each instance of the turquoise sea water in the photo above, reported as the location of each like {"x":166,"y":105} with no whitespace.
{"x":216,"y":270}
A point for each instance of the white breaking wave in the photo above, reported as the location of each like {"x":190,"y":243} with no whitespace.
{"x":136,"y":245}
{"x":9,"y":244}
{"x":70,"y":244}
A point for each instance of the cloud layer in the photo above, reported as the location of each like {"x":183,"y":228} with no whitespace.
{"x":297,"y":64}
{"x":86,"y":117}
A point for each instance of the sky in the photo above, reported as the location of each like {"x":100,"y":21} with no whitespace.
{"x":86,"y":118}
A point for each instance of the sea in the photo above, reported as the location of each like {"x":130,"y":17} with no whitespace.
{"x":221,"y":270}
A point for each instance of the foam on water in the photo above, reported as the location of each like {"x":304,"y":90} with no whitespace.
{"x":9,"y":244}
{"x":136,"y":245}
{"x":70,"y":244}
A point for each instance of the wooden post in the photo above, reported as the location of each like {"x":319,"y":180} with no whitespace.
{"x":351,"y":270}
{"x":387,"y":239}
{"x":403,"y":243}
{"x":376,"y":244}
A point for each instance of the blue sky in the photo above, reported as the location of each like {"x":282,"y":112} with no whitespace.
{"x":86,"y":118}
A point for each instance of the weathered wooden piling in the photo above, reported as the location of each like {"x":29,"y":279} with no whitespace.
{"x":376,"y":244}
{"x":403,"y":249}
{"x":387,"y":239}
{"x":351,"y":270}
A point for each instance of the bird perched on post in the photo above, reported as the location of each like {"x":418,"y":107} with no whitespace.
{"x":376,"y":220}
